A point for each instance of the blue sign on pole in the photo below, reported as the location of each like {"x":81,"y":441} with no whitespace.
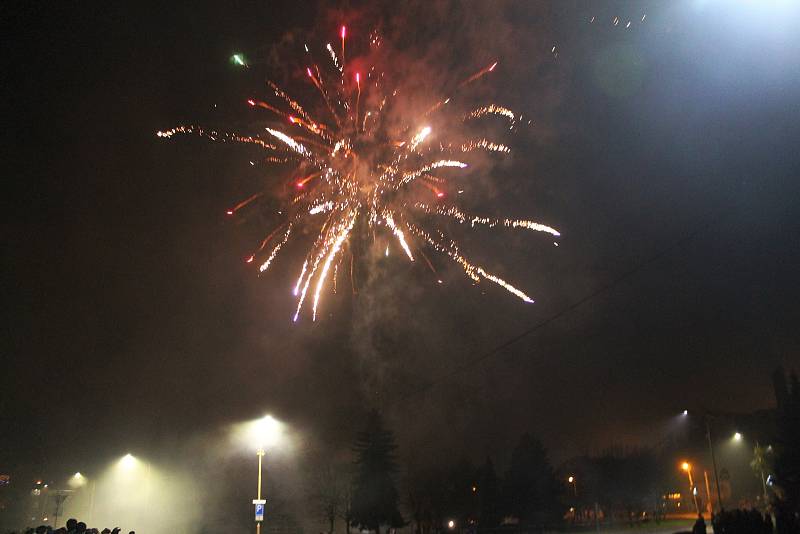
{"x":259,"y":512}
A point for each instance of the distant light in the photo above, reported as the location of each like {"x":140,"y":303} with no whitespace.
{"x":238,"y":59}
{"x":77,"y":475}
{"x":685,"y":466}
{"x":474,"y":489}
{"x":571,"y":479}
{"x":451,"y":524}
{"x":737,"y":436}
{"x":685,"y":412}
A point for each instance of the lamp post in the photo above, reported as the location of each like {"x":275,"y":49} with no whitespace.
{"x":686,"y":466}
{"x":709,"y":508}
{"x":574,"y":483}
{"x":259,"y":502}
{"x":264,"y":432}
{"x":713,"y":462}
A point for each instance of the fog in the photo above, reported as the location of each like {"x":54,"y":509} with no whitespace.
{"x":207,"y":483}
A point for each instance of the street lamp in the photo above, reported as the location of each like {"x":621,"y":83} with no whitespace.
{"x":76,"y":481}
{"x":571,"y":479}
{"x":737,"y":436}
{"x":264,"y":432}
{"x":128,"y":462}
{"x":686,"y":466}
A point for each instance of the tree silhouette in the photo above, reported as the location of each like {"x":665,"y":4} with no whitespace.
{"x":787,"y":462}
{"x":531,"y":491}
{"x":328,"y":485}
{"x":488,"y":492}
{"x":375,"y":497}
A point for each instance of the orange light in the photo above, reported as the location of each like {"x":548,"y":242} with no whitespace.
{"x":685,"y":466}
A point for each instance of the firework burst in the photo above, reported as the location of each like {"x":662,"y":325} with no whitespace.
{"x":351,"y":167}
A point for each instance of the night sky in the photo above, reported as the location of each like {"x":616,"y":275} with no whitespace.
{"x":666,"y":153}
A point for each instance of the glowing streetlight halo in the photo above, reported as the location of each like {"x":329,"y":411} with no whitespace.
{"x":127,"y":462}
{"x":265,"y":432}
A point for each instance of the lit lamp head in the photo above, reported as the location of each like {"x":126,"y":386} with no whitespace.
{"x":737,"y":436}
{"x":686,"y":466}
{"x":571,"y":479}
{"x":76,"y":481}
{"x":265,"y":432}
{"x":127,"y":462}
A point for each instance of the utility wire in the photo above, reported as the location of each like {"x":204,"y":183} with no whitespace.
{"x":498,"y":350}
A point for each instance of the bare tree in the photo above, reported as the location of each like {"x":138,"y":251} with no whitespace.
{"x":328,"y":491}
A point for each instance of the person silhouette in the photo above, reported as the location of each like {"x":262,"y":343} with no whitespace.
{"x":699,"y":525}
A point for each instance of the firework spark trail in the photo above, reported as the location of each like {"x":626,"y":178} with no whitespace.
{"x":321,"y":208}
{"x":471,"y":270}
{"x":362,"y":170}
{"x":215,"y":136}
{"x":460,"y":216}
{"x":486,"y":145}
{"x":480,"y":74}
{"x":419,"y":138}
{"x":291,"y":143}
{"x":398,"y":233}
{"x":264,"y":266}
{"x":492,"y":109}
{"x":292,"y":103}
{"x":244,"y":203}
{"x":337,"y":245}
{"x":409,"y":176}
{"x":335,"y":59}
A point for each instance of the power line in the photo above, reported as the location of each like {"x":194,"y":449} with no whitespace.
{"x":498,"y":350}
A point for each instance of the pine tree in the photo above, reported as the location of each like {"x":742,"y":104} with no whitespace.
{"x":488,"y":496}
{"x":375,"y":497}
{"x":530,"y":485}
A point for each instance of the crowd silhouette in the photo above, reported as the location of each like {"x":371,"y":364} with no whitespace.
{"x":73,"y":526}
